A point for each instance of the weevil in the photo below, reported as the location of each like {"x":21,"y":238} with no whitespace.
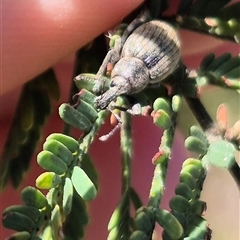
{"x":147,"y":52}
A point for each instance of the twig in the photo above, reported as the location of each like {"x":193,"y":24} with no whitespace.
{"x":160,"y":172}
{"x":126,"y":149}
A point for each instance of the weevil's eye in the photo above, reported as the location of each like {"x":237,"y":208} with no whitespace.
{"x":112,"y":84}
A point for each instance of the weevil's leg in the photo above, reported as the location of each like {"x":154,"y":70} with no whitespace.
{"x":112,"y":132}
{"x":112,"y":57}
{"x":143,"y":17}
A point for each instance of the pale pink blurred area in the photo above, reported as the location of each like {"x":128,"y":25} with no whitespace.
{"x":220,"y":191}
{"x":35,"y":31}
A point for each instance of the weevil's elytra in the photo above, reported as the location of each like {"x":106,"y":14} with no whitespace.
{"x":157,"y":45}
{"x":147,"y":55}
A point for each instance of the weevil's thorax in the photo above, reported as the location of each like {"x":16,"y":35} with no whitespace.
{"x":131,"y":74}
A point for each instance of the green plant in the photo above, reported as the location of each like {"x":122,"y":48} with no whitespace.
{"x":71,"y":177}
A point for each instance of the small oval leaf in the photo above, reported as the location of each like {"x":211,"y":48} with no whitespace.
{"x":67,"y":196}
{"x":170,"y":223}
{"x":162,"y":119}
{"x":48,"y":180}
{"x":221,"y":154}
{"x":83,"y":185}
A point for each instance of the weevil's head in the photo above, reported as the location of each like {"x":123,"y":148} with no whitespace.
{"x":129,"y":75}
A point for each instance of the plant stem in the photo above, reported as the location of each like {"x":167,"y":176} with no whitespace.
{"x":160,"y":172}
{"x":126,"y":150}
{"x":86,"y":141}
{"x":207,"y":124}
{"x":200,"y":113}
{"x":126,"y":156}
{"x":235,"y":172}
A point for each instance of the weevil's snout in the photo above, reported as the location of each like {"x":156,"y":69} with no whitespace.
{"x":102,"y":101}
{"x":115,"y":90}
{"x":129,"y":75}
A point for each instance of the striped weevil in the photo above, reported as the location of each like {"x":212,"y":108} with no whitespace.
{"x":146,"y":53}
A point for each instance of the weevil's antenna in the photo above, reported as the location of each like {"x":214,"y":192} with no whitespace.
{"x":116,"y":127}
{"x":107,"y":136}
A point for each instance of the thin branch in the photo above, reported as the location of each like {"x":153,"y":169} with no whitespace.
{"x":88,"y":139}
{"x":200,"y":113}
{"x":160,"y":172}
{"x":126,"y":150}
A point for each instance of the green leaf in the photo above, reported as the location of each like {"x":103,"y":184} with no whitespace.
{"x":179,"y":203}
{"x":67,"y":196}
{"x":59,"y":150}
{"x":161,"y":103}
{"x":74,"y":118}
{"x":20,"y":236}
{"x":88,"y":81}
{"x":137,"y":234}
{"x":176,"y":103}
{"x":33,"y":197}
{"x":89,"y":169}
{"x":87,"y":110}
{"x":73,"y":227}
{"x":119,"y":213}
{"x":223,"y":71}
{"x":144,"y":219}
{"x":184,"y":190}
{"x":85,"y":80}
{"x":18,"y":221}
{"x":47,"y":232}
{"x":197,"y":227}
{"x":56,"y":221}
{"x":135,"y":198}
{"x":48,"y":180}
{"x":221,"y":154}
{"x":162,"y":119}
{"x":169,"y":222}
{"x":29,"y":211}
{"x":198,"y":207}
{"x":188,"y":179}
{"x":194,"y":144}
{"x":83,"y":185}
{"x":68,"y":141}
{"x":86,"y":96}
{"x":206,"y":61}
{"x":197,"y":132}
{"x":193,"y":170}
{"x":51,"y":162}
{"x":216,"y":62}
